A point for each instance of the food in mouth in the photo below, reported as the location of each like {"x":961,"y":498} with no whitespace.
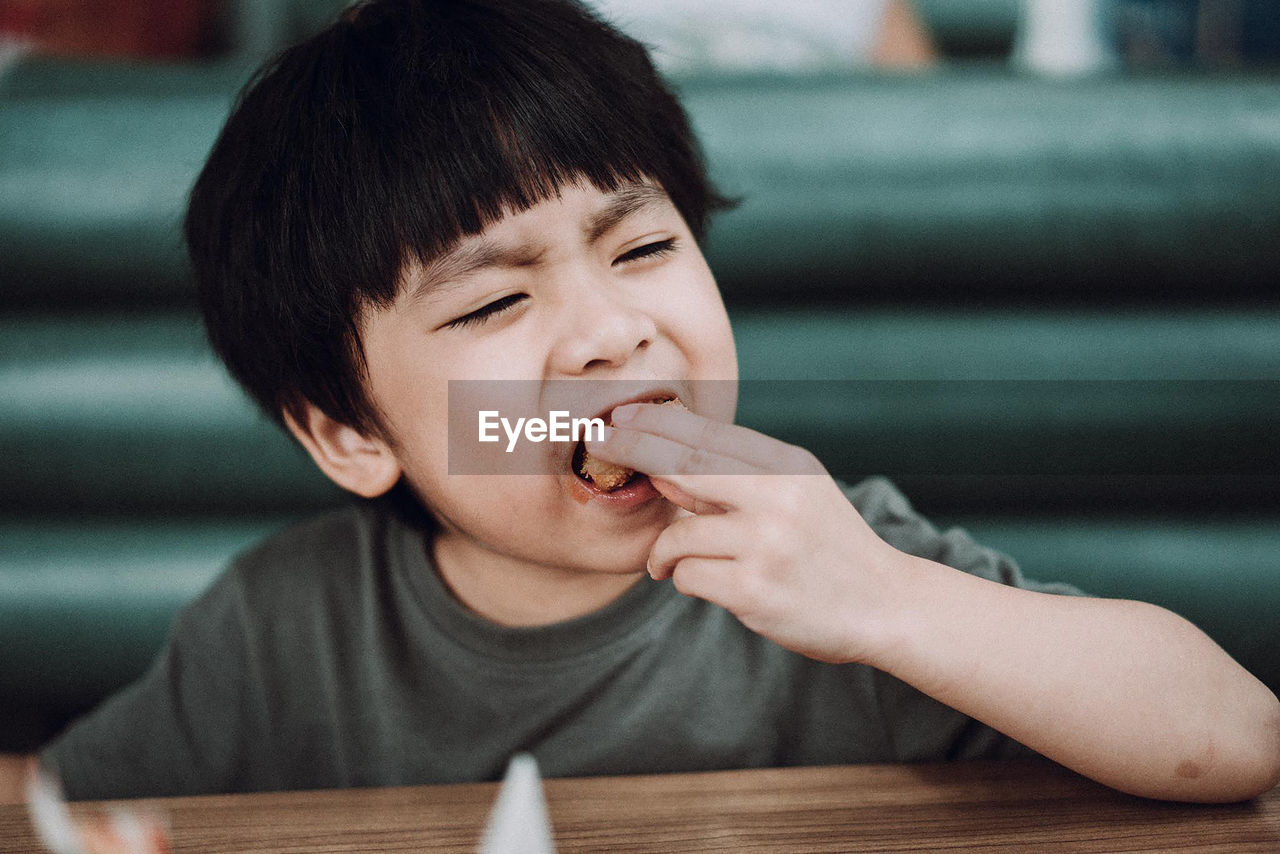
{"x":607,"y":476}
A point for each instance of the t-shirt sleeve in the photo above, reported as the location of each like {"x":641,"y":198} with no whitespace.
{"x":919,"y":727}
{"x":892,"y":517}
{"x":187,"y":726}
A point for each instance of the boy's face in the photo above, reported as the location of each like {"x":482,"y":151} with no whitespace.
{"x":586,"y":286}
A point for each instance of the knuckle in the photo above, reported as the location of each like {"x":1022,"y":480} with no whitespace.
{"x":708,"y":432}
{"x":666,"y":538}
{"x":771,"y":538}
{"x":691,"y":461}
{"x":658,"y":557}
{"x":804,"y":462}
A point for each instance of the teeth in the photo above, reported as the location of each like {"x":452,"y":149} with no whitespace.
{"x":608,"y":476}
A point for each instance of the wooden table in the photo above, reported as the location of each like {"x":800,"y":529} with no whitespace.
{"x":979,"y":806}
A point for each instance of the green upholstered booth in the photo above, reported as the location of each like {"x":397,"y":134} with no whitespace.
{"x":1047,"y":309}
{"x":960,"y":186}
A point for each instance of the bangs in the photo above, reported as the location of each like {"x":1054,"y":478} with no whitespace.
{"x":469,"y":131}
{"x":405,"y":127}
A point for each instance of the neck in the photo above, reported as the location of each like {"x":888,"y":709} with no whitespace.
{"x":515,"y":593}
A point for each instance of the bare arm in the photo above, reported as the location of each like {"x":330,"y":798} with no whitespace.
{"x":1124,"y":692}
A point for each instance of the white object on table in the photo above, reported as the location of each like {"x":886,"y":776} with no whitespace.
{"x":519,"y":823}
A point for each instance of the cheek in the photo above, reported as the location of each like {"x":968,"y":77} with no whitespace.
{"x":414,"y":409}
{"x":697,"y":321}
{"x":489,"y":505}
{"x":706,"y":322}
{"x":720,"y":353}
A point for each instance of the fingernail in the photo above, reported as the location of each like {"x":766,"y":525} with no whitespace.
{"x":625,"y":412}
{"x":592,"y":442}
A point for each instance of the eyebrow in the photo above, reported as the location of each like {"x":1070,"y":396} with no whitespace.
{"x":467,"y":259}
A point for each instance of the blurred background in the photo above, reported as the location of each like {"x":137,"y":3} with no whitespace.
{"x":1020,"y":257}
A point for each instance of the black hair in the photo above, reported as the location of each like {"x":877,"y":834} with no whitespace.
{"x":385,"y":139}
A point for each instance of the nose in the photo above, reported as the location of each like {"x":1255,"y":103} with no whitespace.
{"x":601,"y":330}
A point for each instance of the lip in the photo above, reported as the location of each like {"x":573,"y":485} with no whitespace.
{"x":639,"y":490}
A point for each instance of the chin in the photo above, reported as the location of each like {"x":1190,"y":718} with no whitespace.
{"x":612,"y":554}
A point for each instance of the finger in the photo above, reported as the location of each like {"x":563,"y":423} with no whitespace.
{"x":661,"y":456}
{"x":698,"y":475}
{"x":706,"y":578}
{"x":682,"y":499}
{"x":732,"y":441}
{"x":695,"y":536}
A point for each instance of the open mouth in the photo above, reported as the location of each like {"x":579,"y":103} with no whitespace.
{"x":603,"y":476}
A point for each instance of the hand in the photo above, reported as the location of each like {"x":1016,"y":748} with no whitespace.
{"x":768,"y":534}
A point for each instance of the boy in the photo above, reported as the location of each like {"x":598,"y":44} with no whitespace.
{"x":504,"y":190}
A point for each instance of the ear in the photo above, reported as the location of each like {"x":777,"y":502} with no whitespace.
{"x":358,"y":463}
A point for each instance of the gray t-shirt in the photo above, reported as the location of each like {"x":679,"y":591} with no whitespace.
{"x":332,"y":655}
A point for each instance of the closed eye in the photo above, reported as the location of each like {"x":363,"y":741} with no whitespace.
{"x":656,"y":249}
{"x":480,"y":315}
